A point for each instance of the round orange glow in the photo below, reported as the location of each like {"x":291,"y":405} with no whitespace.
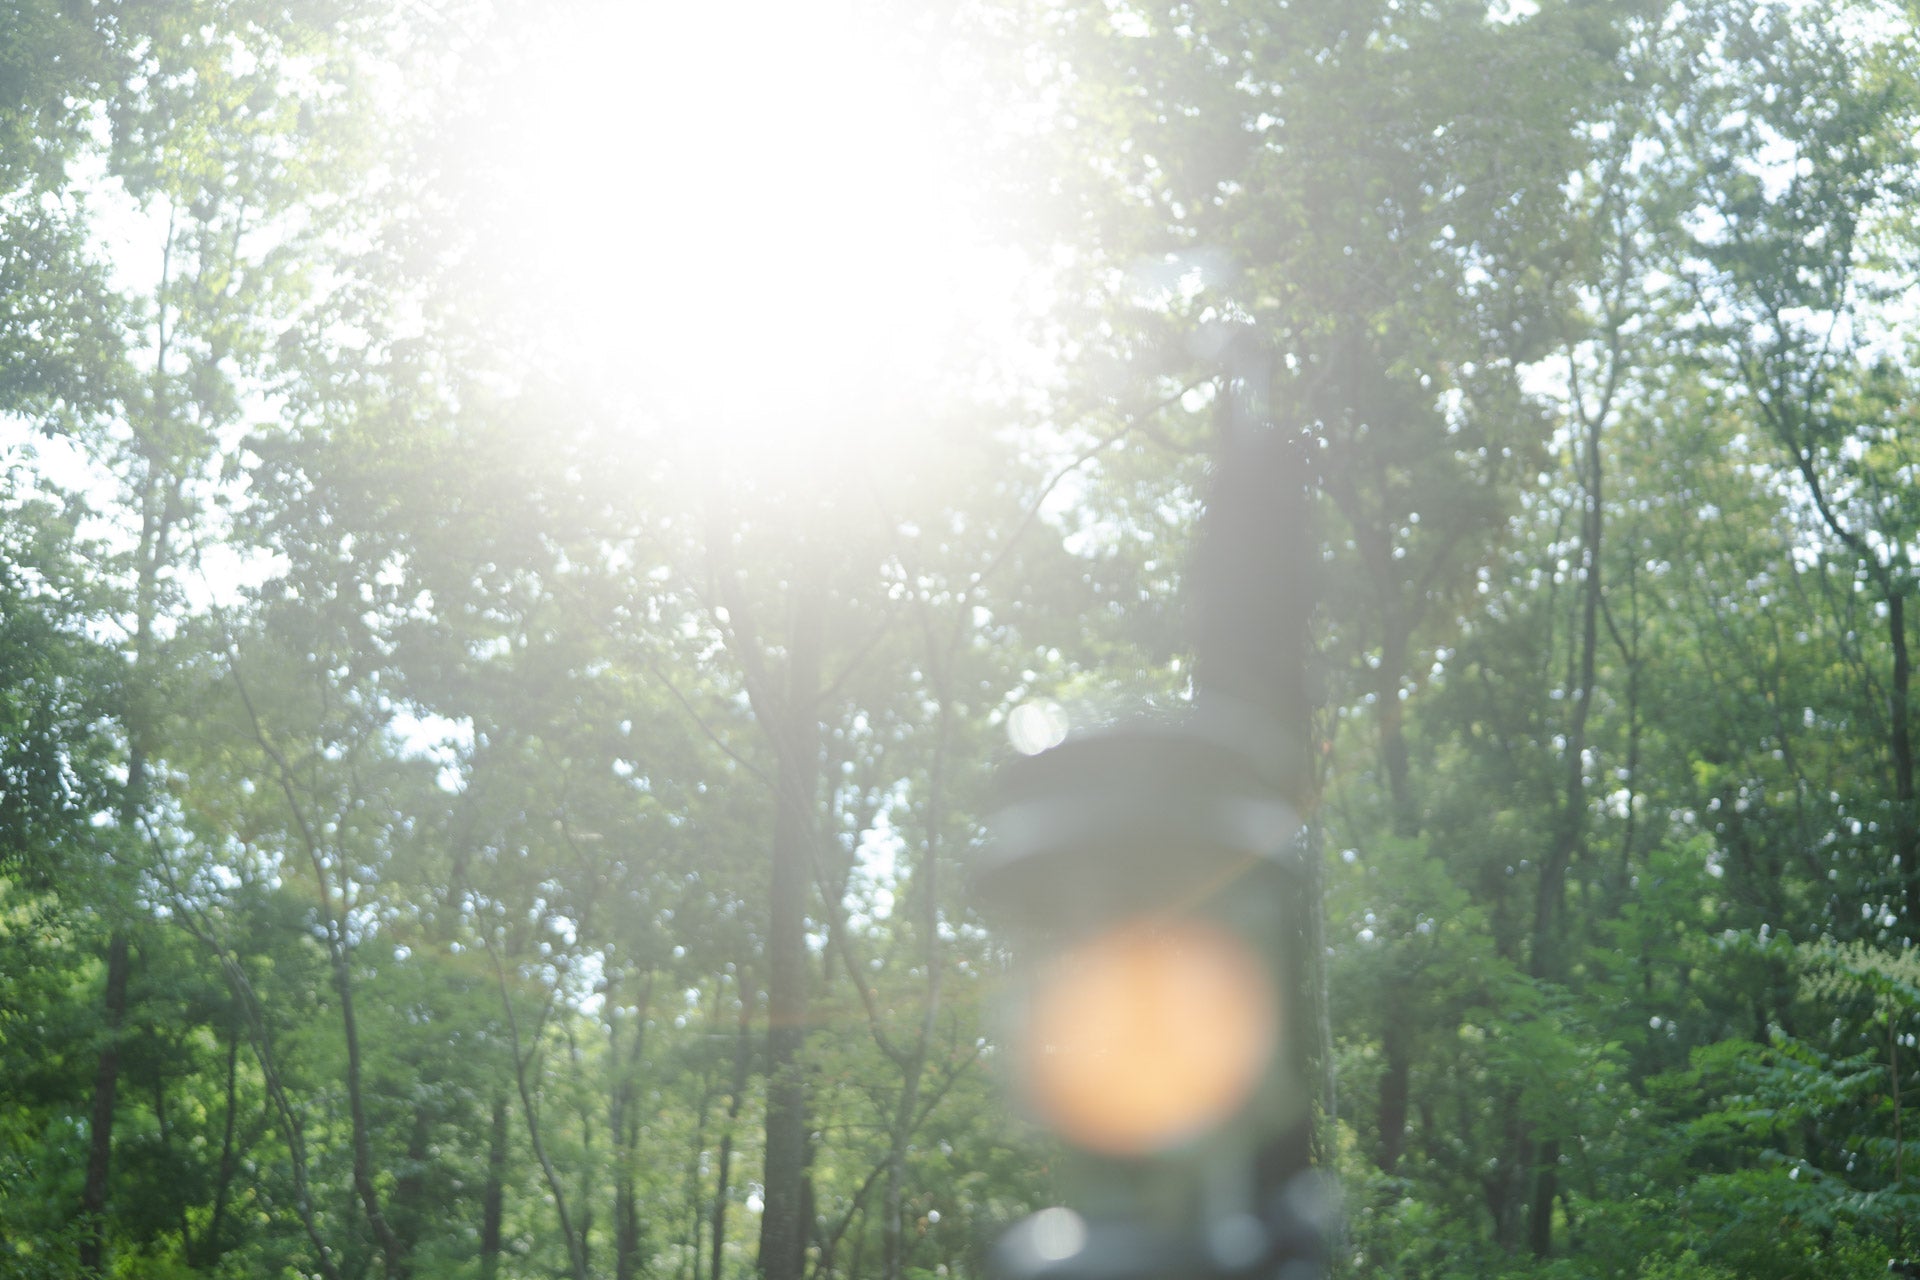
{"x":1147,"y":1035}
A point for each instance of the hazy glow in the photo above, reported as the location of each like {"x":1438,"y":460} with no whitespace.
{"x":1147,"y":1035}
{"x":1057,"y":1234}
{"x":744,"y":212}
{"x":1033,"y":727}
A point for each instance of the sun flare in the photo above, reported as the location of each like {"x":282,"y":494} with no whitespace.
{"x":753,"y":219}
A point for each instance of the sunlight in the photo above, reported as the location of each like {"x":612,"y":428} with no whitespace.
{"x":761,"y":224}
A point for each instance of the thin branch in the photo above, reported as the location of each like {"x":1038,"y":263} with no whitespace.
{"x":1132,"y":422}
{"x":700,"y":721}
{"x":576,"y":1255}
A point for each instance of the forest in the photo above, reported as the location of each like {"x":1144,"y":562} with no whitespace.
{"x":528,"y":527}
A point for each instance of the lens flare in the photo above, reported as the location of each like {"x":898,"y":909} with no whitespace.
{"x":1148,"y":1035}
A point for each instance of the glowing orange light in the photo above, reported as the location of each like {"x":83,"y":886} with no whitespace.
{"x":1148,"y":1035}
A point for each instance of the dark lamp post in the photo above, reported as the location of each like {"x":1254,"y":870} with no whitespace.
{"x":1150,"y":878}
{"x":1152,"y":881}
{"x":1144,"y":814}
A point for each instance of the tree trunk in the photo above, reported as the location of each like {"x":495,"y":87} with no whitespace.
{"x":742,"y":1064}
{"x":1394,"y":1090}
{"x":894,"y":1219}
{"x":1393,"y":738}
{"x":1316,"y":987}
{"x":1549,"y":952}
{"x":339,"y":944}
{"x":783,"y":1233}
{"x":576,"y":1249}
{"x":624,"y":1126}
{"x":491,"y":1199}
{"x":913,"y":1069}
{"x":106,"y":1081}
{"x":210,"y":1246}
{"x":1546,"y":1186}
{"x":1506,"y":1185}
{"x":626,"y":1208}
{"x":1906,"y":822}
{"x":155,"y":523}
{"x":586,"y":1191}
{"x":409,"y":1189}
{"x":391,"y":1247}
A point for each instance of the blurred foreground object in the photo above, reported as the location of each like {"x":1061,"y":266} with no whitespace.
{"x":1155,"y":885}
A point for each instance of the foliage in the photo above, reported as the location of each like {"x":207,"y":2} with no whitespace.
{"x":452,"y":822}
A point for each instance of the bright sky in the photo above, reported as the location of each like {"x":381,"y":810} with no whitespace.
{"x":755,"y":210}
